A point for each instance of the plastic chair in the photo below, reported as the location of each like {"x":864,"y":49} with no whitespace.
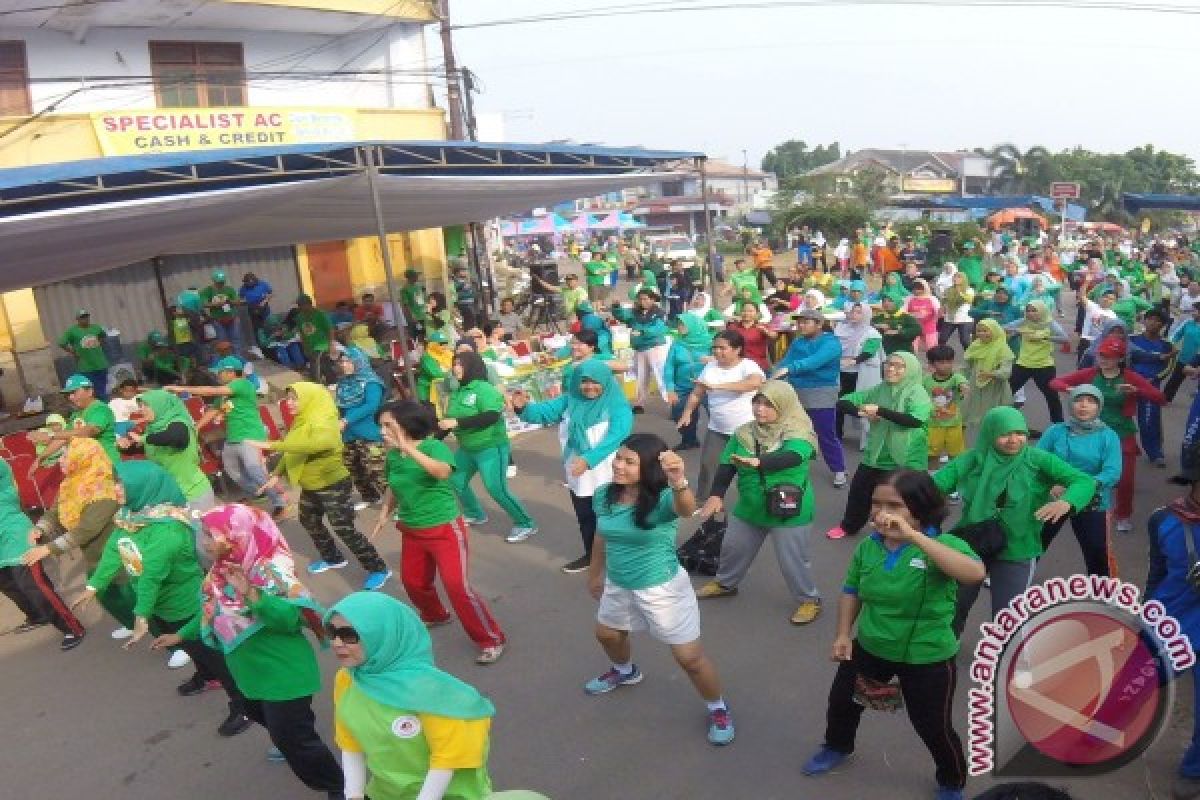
{"x":18,"y":444}
{"x":268,"y":420}
{"x":195,"y":407}
{"x":286,"y":414}
{"x":34,"y":483}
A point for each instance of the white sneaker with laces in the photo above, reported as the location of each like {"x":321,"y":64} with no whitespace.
{"x":1124,"y":525}
{"x":511,"y":471}
{"x":121,"y":633}
{"x":520,"y":535}
{"x":839,"y":480}
{"x":178,"y":660}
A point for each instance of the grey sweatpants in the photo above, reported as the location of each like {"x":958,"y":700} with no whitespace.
{"x":247,"y":468}
{"x":198,"y":506}
{"x":1009,"y":579}
{"x":710,"y":459}
{"x":742,"y":542}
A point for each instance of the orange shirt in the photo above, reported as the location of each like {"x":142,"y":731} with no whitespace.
{"x":762,"y":257}
{"x":889,"y":260}
{"x":860,"y":255}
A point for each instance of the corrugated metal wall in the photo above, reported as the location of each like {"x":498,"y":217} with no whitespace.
{"x":129,"y":300}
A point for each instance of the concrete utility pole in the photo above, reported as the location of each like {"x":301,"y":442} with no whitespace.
{"x":453,"y":87}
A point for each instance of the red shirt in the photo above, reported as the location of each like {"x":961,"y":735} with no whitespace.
{"x":365,"y":312}
{"x":757,"y":342}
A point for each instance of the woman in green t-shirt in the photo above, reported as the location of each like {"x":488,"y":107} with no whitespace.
{"x":418,"y":731}
{"x":770,"y":453}
{"x":475,"y":414}
{"x":900,"y":589}
{"x":170,"y":440}
{"x":422,"y":502}
{"x":637,"y":578}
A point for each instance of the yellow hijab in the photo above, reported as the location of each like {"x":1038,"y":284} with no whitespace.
{"x":316,"y":413}
{"x":87,"y":477}
{"x":988,"y":356}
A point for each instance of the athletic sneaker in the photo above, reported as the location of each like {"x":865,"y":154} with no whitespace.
{"x":947,"y":793}
{"x":375,"y":580}
{"x":193,"y":686}
{"x":178,"y":660}
{"x":720,"y":727}
{"x":839,"y":480}
{"x":806,"y":612}
{"x":612,"y":680}
{"x":520,"y":534}
{"x":475,"y":520}
{"x":835,"y":532}
{"x":639,"y":409}
{"x":580,"y":564}
{"x":1124,"y":525}
{"x":823,"y":761}
{"x":490,"y":655}
{"x":275,"y":755}
{"x":317,"y":567}
{"x":234,"y":724}
{"x":121,"y":633}
{"x":70,"y":642}
{"x":714,"y":589}
{"x":27,"y":626}
{"x":511,"y":471}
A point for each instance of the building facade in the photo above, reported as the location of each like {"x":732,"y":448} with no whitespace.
{"x":130,"y":77}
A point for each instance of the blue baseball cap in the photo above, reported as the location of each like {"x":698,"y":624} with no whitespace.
{"x":230,"y":362}
{"x":77,"y":381}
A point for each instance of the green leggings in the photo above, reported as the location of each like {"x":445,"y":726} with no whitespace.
{"x":492,"y":464}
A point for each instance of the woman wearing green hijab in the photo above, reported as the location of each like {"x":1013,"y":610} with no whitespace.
{"x":154,"y":544}
{"x":1038,"y":332}
{"x":894,"y":288}
{"x":771,"y":451}
{"x":898,"y":410}
{"x":1002,"y":477}
{"x":312,"y":461}
{"x":418,"y":731}
{"x":690,"y":349}
{"x":171,"y":442}
{"x":987,"y":363}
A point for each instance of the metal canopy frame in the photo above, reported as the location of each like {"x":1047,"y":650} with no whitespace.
{"x":80,"y":183}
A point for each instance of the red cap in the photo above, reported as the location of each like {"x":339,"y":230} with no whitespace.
{"x":1112,"y":347}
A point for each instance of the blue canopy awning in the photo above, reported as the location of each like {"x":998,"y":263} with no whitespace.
{"x":1135,"y":203}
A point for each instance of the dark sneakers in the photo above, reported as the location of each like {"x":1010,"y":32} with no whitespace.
{"x":27,"y":626}
{"x":235,"y":723}
{"x":71,"y":641}
{"x":580,"y":564}
{"x":192,"y":686}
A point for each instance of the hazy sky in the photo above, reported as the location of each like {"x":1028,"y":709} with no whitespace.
{"x":938,"y":78}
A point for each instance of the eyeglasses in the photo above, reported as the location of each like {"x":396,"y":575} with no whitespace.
{"x":346,"y":634}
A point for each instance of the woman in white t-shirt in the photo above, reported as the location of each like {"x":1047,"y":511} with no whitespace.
{"x":728,"y":383}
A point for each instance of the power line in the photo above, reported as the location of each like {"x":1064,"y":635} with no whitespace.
{"x":635,"y":9}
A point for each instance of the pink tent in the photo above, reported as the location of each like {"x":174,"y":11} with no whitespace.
{"x":584,"y":222}
{"x":611,"y":222}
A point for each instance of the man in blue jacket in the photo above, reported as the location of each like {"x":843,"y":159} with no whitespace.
{"x":813,"y":366}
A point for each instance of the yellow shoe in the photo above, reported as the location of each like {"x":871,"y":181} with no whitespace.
{"x":714,"y":589}
{"x":806,"y":613}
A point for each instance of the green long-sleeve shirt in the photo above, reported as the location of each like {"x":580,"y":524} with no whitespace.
{"x":906,"y":328}
{"x":160,"y":560}
{"x":277,"y":663}
{"x":322,"y":451}
{"x":1046,"y":471}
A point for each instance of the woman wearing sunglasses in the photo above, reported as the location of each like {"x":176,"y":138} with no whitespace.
{"x":418,"y":731}
{"x":255,"y":612}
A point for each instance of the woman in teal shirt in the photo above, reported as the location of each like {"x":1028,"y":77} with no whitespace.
{"x":637,"y":578}
{"x":900,"y":590}
{"x":648,"y":336}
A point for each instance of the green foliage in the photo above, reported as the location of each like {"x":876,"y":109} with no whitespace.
{"x":793,"y":158}
{"x":835,"y":217}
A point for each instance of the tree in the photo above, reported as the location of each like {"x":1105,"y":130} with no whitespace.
{"x":1017,"y":172}
{"x":793,"y":158}
{"x":871,"y":186}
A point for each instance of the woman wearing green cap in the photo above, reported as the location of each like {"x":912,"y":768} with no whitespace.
{"x":171,"y":442}
{"x":898,"y":410}
{"x":417,"y":731}
{"x":221,"y":306}
{"x":312,"y":461}
{"x":1003,"y":478}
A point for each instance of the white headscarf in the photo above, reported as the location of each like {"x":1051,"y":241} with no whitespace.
{"x":945,"y":278}
{"x":852,"y":335}
{"x":705,"y":304}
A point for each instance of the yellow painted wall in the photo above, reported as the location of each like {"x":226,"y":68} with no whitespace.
{"x":420,"y":250}
{"x":417,"y":10}
{"x":22,"y":320}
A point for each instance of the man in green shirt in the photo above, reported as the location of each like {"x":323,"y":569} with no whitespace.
{"x":220,"y":304}
{"x":412,"y":298}
{"x":158,"y":363}
{"x":597,"y":269}
{"x":238,"y":404}
{"x":85,"y":342}
{"x":315,"y":331}
{"x":92,"y":419}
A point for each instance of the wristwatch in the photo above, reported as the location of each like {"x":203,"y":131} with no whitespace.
{"x":682,"y":486}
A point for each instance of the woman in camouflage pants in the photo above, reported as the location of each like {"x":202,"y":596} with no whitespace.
{"x":359,"y":396}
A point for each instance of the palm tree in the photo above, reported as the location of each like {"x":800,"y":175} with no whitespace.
{"x":1014,"y":171}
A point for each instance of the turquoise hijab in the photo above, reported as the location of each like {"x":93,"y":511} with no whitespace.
{"x":696,"y":337}
{"x":352,"y":389}
{"x":585,"y":413}
{"x":399,"y":670}
{"x":151,"y":496}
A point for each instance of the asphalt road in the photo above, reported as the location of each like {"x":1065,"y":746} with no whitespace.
{"x":104,"y":723}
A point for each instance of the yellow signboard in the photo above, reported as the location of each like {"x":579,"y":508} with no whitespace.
{"x":930,"y":185}
{"x":173,"y":130}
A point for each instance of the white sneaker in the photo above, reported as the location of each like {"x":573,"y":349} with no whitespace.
{"x":178,"y":660}
{"x":839,"y":480}
{"x":520,"y":535}
{"x":1124,"y":525}
{"x":944,"y":459}
{"x":121,"y":633}
{"x":511,"y":471}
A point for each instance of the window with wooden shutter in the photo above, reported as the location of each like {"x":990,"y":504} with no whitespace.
{"x":14,"y":80}
{"x":198,"y":74}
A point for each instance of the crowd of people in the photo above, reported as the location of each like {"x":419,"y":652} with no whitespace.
{"x":795,"y":355}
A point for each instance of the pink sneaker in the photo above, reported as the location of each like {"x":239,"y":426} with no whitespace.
{"x":835,"y":532}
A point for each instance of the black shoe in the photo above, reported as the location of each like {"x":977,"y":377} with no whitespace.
{"x":27,"y":626}
{"x":639,"y":410}
{"x":71,"y":641}
{"x":234,"y":724}
{"x":687,"y":446}
{"x":580,"y":564}
{"x":192,"y":686}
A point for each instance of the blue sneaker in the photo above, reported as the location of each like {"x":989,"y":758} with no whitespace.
{"x":317,"y":567}
{"x":612,"y":680}
{"x":823,"y":761}
{"x":946,"y":793}
{"x":275,"y":755}
{"x":720,"y":727}
{"x":376,"y":580}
